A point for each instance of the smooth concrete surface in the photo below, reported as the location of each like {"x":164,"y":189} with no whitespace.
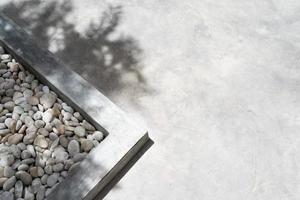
{"x":222,"y":95}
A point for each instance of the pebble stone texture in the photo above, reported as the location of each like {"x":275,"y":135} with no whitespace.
{"x":41,"y":138}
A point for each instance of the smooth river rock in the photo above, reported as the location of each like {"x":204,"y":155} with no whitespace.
{"x":73,"y":147}
{"x":47,"y":100}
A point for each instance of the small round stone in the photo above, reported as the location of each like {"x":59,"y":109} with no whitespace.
{"x":6,"y":196}
{"x":79,"y":131}
{"x":47,"y":100}
{"x":54,"y":144}
{"x":86,"y":145}
{"x":88,"y":126}
{"x":44,"y":179}
{"x":29,"y":137}
{"x":24,"y":177}
{"x":58,"y":167}
{"x":28,"y":121}
{"x":43,"y":132}
{"x":9,"y":183}
{"x":45,"y":89}
{"x":2,"y":181}
{"x":7,"y":122}
{"x":9,"y":106}
{"x":9,"y":92}
{"x":56,"y":110}
{"x":2,"y":126}
{"x":40,"y":161}
{"x":48,"y":169}
{"x":29,"y":78}
{"x":34,"y":172}
{"x":22,"y":129}
{"x":41,"y":141}
{"x":15,"y":138}
{"x":98,"y":135}
{"x":15,"y":150}
{"x":47,"y":154}
{"x":19,"y":110}
{"x":67,"y":108}
{"x":18,"y":189}
{"x":4,"y":132}
{"x":40,"y":171}
{"x":8,"y":172}
{"x":18,"y":125}
{"x":12,"y":125}
{"x":23,"y":167}
{"x":52,"y":136}
{"x":36,"y":184}
{"x":61,"y":129}
{"x":38,"y":115}
{"x":48,"y":116}
{"x":64,"y":174}
{"x":5,"y":57}
{"x":31,"y":150}
{"x":41,"y":193}
{"x":39,"y":123}
{"x":16,"y":164}
{"x":78,"y":116}
{"x":27,"y":93}
{"x":63,"y":141}
{"x":22,"y":146}
{"x":7,"y":160}
{"x":28,"y":161}
{"x":60,"y":155}
{"x":25,"y":154}
{"x":73,"y":147}
{"x":33,"y":100}
{"x":67,"y":116}
{"x":28,"y":194}
{"x":13,"y":67}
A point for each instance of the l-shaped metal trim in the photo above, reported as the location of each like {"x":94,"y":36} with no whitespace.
{"x":124,"y":138}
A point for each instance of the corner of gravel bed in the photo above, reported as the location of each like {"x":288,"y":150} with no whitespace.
{"x":42,"y":139}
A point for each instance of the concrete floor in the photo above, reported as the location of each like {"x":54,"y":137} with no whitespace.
{"x":218,"y":85}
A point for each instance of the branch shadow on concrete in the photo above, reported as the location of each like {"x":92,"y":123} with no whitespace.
{"x":103,"y":62}
{"x":100,"y":60}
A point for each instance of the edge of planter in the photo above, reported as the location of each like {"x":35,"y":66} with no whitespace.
{"x":124,"y":140}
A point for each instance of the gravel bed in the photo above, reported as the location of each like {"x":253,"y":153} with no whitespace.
{"x":41,"y":138}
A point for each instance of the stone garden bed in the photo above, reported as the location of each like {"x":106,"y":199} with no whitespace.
{"x":52,"y":149}
{"x":41,"y":137}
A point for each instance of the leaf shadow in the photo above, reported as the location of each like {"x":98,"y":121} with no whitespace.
{"x":102,"y":61}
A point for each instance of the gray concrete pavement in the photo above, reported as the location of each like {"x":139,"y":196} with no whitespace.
{"x":219,"y":94}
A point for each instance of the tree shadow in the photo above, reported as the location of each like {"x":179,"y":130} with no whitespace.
{"x":100,"y":60}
